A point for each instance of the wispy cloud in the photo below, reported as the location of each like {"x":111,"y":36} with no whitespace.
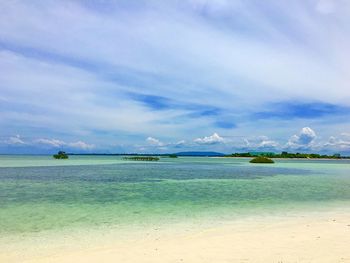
{"x":59,"y":144}
{"x":154,"y":141}
{"x":15,"y":140}
{"x":294,"y":109}
{"x":260,"y":143}
{"x":337,"y":144}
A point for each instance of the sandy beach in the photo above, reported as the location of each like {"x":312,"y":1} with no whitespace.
{"x":322,"y":237}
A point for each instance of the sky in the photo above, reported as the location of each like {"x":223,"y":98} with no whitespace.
{"x":170,"y":76}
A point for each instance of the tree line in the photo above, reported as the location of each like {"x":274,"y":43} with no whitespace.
{"x":289,"y":155}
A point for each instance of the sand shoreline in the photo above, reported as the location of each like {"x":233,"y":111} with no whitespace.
{"x":320,"y":237}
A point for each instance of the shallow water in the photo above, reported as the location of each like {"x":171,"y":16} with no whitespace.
{"x":39,"y":193}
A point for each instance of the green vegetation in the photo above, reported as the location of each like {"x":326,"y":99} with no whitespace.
{"x":261,"y":159}
{"x":287,"y":155}
{"x":142,"y":158}
{"x":60,"y":155}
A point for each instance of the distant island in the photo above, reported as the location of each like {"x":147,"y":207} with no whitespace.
{"x":288,"y":155}
{"x":170,"y":155}
{"x":218,"y":154}
{"x":60,"y":155}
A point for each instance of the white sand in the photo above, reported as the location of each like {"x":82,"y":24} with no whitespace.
{"x":303,"y":238}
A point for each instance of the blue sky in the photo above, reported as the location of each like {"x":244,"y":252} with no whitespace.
{"x":168,"y":76}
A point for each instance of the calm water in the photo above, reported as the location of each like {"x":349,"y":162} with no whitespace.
{"x":39,"y":193}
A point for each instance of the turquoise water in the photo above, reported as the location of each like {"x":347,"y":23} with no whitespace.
{"x":39,"y":193}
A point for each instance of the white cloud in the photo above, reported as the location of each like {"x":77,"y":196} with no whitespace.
{"x":293,"y":140}
{"x":15,"y":140}
{"x":154,"y":142}
{"x":213,"y":139}
{"x":81,"y":145}
{"x":268,"y":144}
{"x":307,"y":135}
{"x":305,"y":138}
{"x":51,"y":142}
{"x":337,"y":144}
{"x":181,"y":142}
{"x":260,"y":142}
{"x":346,"y":134}
{"x":58,"y":143}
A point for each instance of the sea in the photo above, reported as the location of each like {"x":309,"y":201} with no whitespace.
{"x":40,"y":194}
